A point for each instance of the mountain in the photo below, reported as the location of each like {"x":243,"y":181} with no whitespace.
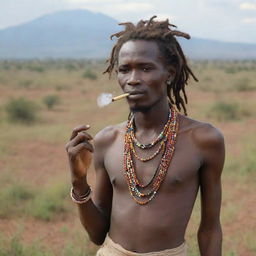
{"x":66,"y":34}
{"x":197,"y":48}
{"x":84,"y":34}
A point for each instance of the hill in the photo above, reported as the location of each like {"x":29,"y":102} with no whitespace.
{"x":84,"y":34}
{"x":67,"y":34}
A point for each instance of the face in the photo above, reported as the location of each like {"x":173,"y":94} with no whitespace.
{"x":142,"y":73}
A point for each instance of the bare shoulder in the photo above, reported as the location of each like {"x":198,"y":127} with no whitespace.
{"x":207,"y":139}
{"x":204,"y":135}
{"x":108,"y":135}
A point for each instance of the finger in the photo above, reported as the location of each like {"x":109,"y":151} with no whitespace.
{"x":88,"y":146}
{"x":74,"y":151}
{"x":80,"y":138}
{"x":86,"y":135}
{"x":82,"y":146}
{"x":78,"y":129}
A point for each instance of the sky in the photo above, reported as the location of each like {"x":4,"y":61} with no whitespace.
{"x":224,"y":20}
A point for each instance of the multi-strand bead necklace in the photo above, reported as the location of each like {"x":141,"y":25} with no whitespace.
{"x":144,"y":193}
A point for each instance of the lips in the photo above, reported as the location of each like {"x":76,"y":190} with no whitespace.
{"x":134,"y":95}
{"x":135,"y":92}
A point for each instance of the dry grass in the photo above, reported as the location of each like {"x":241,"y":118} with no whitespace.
{"x":34,"y":170}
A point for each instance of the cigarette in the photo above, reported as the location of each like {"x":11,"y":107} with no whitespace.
{"x":120,"y":96}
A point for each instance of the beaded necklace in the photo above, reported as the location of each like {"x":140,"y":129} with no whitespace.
{"x":141,"y":193}
{"x":150,"y":145}
{"x":162,"y":146}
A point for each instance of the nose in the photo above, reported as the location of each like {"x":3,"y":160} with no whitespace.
{"x":133,"y":79}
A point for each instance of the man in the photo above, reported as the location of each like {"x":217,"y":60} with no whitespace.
{"x":149,"y":168}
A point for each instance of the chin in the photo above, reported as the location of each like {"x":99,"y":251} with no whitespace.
{"x":142,"y":107}
{"x":134,"y":108}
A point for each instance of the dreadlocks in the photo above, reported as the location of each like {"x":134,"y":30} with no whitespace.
{"x":162,"y":33}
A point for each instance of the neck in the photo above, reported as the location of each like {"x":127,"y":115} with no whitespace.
{"x":155,"y":118}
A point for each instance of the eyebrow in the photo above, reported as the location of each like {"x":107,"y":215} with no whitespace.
{"x":139,"y":64}
{"x":146,"y":63}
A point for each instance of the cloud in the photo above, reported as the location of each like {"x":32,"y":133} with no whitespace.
{"x":249,"y":20}
{"x":94,"y":2}
{"x":115,"y":4}
{"x":135,"y":6}
{"x":198,"y":17}
{"x":164,"y":16}
{"x":247,"y":6}
{"x":119,"y":9}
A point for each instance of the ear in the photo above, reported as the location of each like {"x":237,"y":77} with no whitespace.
{"x":171,"y":71}
{"x":171,"y":74}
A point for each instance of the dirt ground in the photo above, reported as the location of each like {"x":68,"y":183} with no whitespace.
{"x":42,"y":160}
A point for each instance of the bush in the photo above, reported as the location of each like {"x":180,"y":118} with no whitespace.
{"x":249,"y":160}
{"x":49,"y":202}
{"x":60,"y":87}
{"x":244,"y":85}
{"x":223,"y":111}
{"x":51,"y":100}
{"x":70,"y":67}
{"x":231,"y":70}
{"x":89,"y":75}
{"x":25,"y":83}
{"x":38,"y":69}
{"x":15,"y":247}
{"x":13,"y":200}
{"x":21,"y":110}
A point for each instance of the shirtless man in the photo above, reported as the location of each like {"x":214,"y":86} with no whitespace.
{"x":130,"y":218}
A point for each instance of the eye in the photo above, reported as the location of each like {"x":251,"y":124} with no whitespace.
{"x":146,"y":68}
{"x":123,"y":69}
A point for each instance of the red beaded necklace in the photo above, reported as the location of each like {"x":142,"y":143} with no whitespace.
{"x":141,"y":193}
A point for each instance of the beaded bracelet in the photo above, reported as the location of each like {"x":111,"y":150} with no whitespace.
{"x":81,"y":199}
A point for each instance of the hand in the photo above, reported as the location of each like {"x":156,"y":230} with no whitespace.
{"x":79,"y":151}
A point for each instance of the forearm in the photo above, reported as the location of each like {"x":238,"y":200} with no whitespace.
{"x":92,"y":217}
{"x":210,"y":241}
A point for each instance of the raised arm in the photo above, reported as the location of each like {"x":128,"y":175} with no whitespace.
{"x":95,"y":213}
{"x":212,"y":148}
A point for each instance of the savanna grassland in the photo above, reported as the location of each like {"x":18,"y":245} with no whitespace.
{"x":42,"y":101}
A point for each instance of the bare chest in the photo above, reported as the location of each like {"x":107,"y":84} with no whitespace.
{"x":183,"y":168}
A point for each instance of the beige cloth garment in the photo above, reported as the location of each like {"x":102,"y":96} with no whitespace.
{"x":110,"y":248}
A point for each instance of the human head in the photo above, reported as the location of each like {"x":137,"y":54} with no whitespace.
{"x":162,"y":33}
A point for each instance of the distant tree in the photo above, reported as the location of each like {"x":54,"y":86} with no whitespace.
{"x":51,"y":100}
{"x":21,"y":110}
{"x":89,"y":75}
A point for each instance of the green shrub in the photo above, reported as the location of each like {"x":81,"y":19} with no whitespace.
{"x":38,"y":69}
{"x":21,"y":110}
{"x":18,"y":66}
{"x":49,"y":202}
{"x":232,"y":253}
{"x":244,"y":85}
{"x":14,"y":200}
{"x":20,"y":192}
{"x":61,"y":87}
{"x":6,"y":66}
{"x":15,"y":247}
{"x":231,"y":70}
{"x":223,"y":111}
{"x":249,"y":161}
{"x":89,"y":75}
{"x":25,"y":83}
{"x":51,"y":100}
{"x":70,"y":67}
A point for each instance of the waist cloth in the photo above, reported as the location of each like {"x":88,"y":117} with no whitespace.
{"x":110,"y":248}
